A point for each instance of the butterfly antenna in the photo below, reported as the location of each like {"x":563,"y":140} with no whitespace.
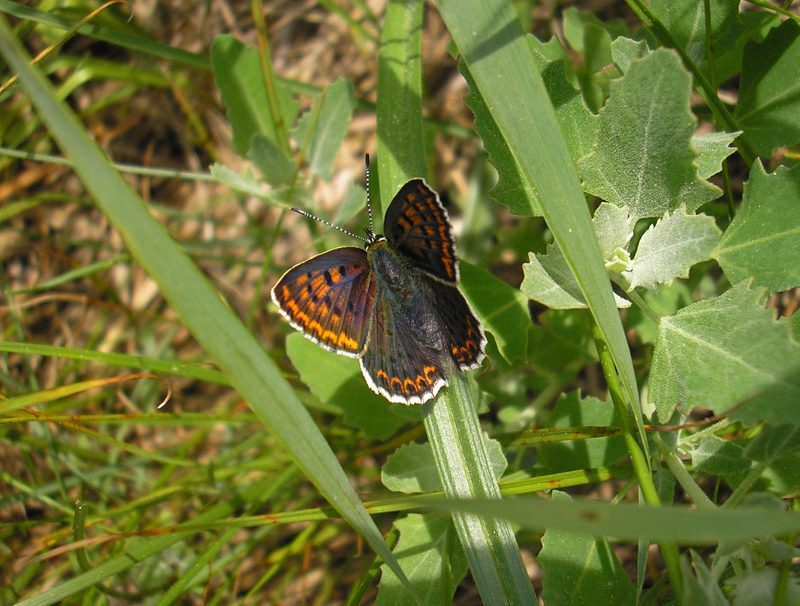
{"x":369,"y":200}
{"x":300,"y":211}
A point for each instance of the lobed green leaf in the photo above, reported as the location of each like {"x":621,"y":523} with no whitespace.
{"x":642,"y":157}
{"x":668,"y":249}
{"x":763,"y":240}
{"x":725,"y":352}
{"x":768,"y":108}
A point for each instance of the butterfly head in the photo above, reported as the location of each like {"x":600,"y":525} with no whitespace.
{"x":372,"y":238}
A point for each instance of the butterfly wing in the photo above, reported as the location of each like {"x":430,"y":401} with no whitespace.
{"x":329,"y":299}
{"x":416,"y":224}
{"x":465,"y":339}
{"x":397,"y":364}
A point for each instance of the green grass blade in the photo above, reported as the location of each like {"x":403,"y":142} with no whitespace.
{"x":401,"y":148}
{"x":629,"y":522}
{"x":122,"y":39}
{"x":137,"y":550}
{"x":166,"y":367}
{"x":451,"y":420}
{"x":219,"y":332}
{"x":492,"y":44}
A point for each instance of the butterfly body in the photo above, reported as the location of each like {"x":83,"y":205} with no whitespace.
{"x":394,"y":305}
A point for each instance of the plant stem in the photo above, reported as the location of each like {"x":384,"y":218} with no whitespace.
{"x":637,"y":451}
{"x":778,"y":9}
{"x":265,"y":61}
{"x":647,"y":310}
{"x":746,"y":484}
{"x":131,"y":169}
{"x":685,"y":479}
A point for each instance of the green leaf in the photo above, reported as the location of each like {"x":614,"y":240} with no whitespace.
{"x":337,"y":380}
{"x":782,"y":477}
{"x":668,"y":249}
{"x":721,"y":458}
{"x":756,"y":26}
{"x":576,"y":23}
{"x":573,"y":411}
{"x":774,"y":442}
{"x":685,"y":21}
{"x":768,"y":108}
{"x":580,"y":569}
{"x":614,"y":228}
{"x":273,"y":164}
{"x":545,"y":53}
{"x":723,"y":352}
{"x":511,"y":189}
{"x":575,"y":120}
{"x":322,"y":128}
{"x":238,"y":76}
{"x":244,"y":182}
{"x":577,"y":123}
{"x":502,"y":310}
{"x":549,"y":280}
{"x":429,"y":552}
{"x":643,"y":158}
{"x":665,"y":302}
{"x":757,"y":588}
{"x":353,"y":202}
{"x":763,"y":240}
{"x":712,"y":148}
{"x":625,"y":52}
{"x":412,"y":468}
{"x":561,"y":344}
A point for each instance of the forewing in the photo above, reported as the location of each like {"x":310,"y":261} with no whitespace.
{"x":465,"y":338}
{"x":396,"y":364}
{"x":329,"y":299}
{"x":416,"y":224}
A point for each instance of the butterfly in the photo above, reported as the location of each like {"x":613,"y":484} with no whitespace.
{"x":394,"y":305}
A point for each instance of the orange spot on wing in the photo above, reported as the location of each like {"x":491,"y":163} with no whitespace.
{"x":426,"y":370}
{"x":347,"y":341}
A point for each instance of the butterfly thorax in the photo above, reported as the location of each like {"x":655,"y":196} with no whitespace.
{"x":391,"y":269}
{"x":405,"y":292}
